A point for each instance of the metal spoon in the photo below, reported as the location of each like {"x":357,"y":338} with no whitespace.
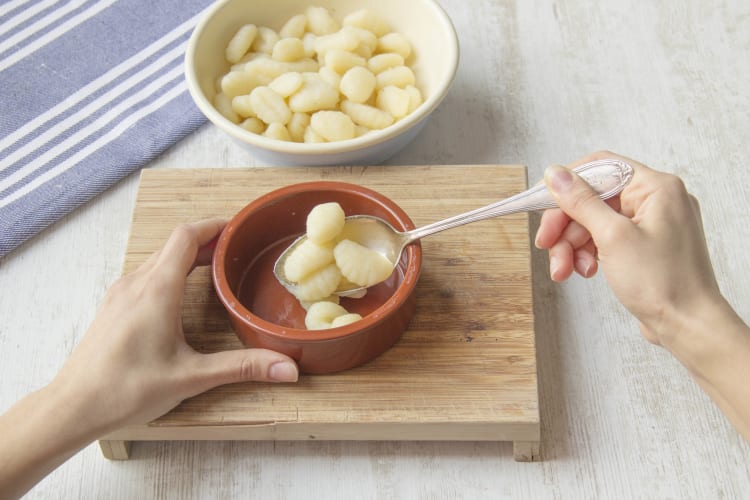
{"x":608,"y":177}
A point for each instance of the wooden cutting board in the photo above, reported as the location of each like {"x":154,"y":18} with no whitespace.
{"x":464,"y":370}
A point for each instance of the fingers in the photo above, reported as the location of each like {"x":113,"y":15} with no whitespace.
{"x":181,"y":249}
{"x":578,"y":200}
{"x":567,"y":232}
{"x":645,"y":181}
{"x":561,"y":261}
{"x":564,"y":259}
{"x":243,"y":365}
{"x":192,"y":243}
{"x":206,"y":253}
{"x":585,"y":260}
{"x":188,"y":245}
{"x":551,"y":227}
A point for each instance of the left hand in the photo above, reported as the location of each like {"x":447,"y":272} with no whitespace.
{"x":133,"y":364}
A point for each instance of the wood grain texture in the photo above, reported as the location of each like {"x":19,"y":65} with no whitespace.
{"x":115,"y":450}
{"x":539,"y":82}
{"x":464,"y":370}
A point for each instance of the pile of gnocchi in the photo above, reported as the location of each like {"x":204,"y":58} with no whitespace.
{"x":317,"y":79}
{"x":327,"y":262}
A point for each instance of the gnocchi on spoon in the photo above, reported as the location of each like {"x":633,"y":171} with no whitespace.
{"x":343,"y":256}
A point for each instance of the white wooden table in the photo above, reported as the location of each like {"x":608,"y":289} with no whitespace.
{"x":539,"y":82}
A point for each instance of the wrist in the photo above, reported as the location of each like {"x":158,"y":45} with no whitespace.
{"x":702,"y":336}
{"x":42,"y":430}
{"x":67,"y":414}
{"x":80,"y":406}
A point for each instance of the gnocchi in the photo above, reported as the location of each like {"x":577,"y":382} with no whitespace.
{"x":395,"y":42}
{"x":321,"y":315}
{"x":253,"y":125}
{"x":330,"y":77}
{"x":361,"y":265}
{"x":308,"y":41}
{"x":342,"y":40}
{"x":341,"y":60}
{"x":367,"y":41}
{"x":241,"y":42}
{"x":294,"y":27}
{"x":415,"y":97}
{"x":345,"y":284}
{"x":339,"y":78}
{"x":266,"y":68}
{"x":398,"y":76}
{"x":307,"y":258}
{"x":321,"y":283}
{"x":224,"y":106}
{"x":269,"y":106}
{"x":367,"y":116}
{"x":241,"y":105}
{"x":367,"y":20}
{"x":236,"y":83}
{"x":325,"y":222}
{"x":277,"y":131}
{"x":287,"y":83}
{"x":320,"y":21}
{"x":327,"y":262}
{"x":394,"y":100}
{"x":315,"y":94}
{"x":265,"y":40}
{"x":357,"y":84}
{"x":312,"y":137}
{"x":345,"y":319}
{"x":288,"y":49}
{"x":333,"y":125}
{"x":298,"y":125}
{"x":382,"y":62}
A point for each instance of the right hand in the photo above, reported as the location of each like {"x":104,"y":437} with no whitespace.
{"x":649,"y":243}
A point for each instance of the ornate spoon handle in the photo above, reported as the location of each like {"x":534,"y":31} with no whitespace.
{"x":608,"y":177}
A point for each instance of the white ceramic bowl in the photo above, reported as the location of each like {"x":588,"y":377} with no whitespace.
{"x":423,"y":22}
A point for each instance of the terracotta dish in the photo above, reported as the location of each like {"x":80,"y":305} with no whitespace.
{"x":264,"y":314}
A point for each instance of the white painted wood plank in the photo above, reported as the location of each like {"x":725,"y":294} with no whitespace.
{"x":539,"y":82}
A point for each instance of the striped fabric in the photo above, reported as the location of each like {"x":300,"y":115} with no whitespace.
{"x":90,"y":90}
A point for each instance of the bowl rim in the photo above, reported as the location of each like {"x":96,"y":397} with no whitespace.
{"x":241,"y":313}
{"x":451,"y":57}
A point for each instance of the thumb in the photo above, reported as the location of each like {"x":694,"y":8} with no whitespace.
{"x":243,"y":365}
{"x":578,"y":199}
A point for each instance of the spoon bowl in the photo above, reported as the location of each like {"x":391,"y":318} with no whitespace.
{"x":608,"y":177}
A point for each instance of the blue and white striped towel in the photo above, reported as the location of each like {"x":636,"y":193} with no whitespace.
{"x":90,"y":90}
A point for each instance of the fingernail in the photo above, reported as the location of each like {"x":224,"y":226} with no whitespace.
{"x":283,"y":371}
{"x":536,"y":240}
{"x":553,"y":266}
{"x":558,"y":178}
{"x":584,"y":266}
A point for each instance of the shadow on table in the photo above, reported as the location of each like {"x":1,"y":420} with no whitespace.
{"x":555,"y":421}
{"x":337,"y":450}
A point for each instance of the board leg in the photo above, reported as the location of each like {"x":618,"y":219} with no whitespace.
{"x":526,"y":451}
{"x":115,"y":450}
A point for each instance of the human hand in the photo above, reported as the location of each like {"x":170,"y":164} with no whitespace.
{"x":649,"y":243}
{"x":133,"y":365}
